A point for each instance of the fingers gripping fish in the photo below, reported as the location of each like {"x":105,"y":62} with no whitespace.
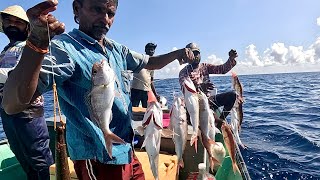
{"x":101,"y":100}
{"x":192,"y":104}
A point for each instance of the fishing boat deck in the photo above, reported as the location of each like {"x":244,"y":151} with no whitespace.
{"x":190,"y":157}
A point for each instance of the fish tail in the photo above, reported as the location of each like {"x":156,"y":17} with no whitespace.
{"x":235,"y":167}
{"x":194,"y":140}
{"x":112,"y":138}
{"x":181,"y":163}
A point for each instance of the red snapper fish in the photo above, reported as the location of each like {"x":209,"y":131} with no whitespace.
{"x":101,"y":99}
{"x":230,"y":145}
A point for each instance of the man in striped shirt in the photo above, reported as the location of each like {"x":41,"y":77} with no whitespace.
{"x":199,"y":74}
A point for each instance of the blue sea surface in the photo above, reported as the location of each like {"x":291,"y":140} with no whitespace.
{"x":281,"y":124}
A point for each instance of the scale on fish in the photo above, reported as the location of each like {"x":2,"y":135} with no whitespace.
{"x":101,"y":99}
{"x":61,"y":157}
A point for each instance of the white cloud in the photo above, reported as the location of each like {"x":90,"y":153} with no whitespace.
{"x":279,"y":58}
{"x":318,"y":21}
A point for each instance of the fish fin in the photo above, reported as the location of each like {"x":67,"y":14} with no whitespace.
{"x":243,"y":146}
{"x":194,"y":140}
{"x":117,"y":93}
{"x":144,"y":142}
{"x":212,"y":141}
{"x":112,"y":138}
{"x":235,"y":168}
{"x":168,"y":133}
{"x":233,"y":74}
{"x":140,"y":130}
{"x":181,"y":163}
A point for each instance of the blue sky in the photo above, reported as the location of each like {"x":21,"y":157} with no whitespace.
{"x":269,"y":35}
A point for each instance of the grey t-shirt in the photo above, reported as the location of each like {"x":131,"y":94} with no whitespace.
{"x":142,"y":80}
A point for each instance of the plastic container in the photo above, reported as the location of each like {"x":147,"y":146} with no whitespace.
{"x":203,"y":174}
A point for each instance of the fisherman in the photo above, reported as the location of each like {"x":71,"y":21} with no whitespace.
{"x":143,"y":82}
{"x":27,"y":130}
{"x":74,"y":54}
{"x":199,"y":74}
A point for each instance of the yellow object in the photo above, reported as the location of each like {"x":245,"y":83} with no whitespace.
{"x":71,"y":168}
{"x":138,"y":109}
{"x":167,"y":166}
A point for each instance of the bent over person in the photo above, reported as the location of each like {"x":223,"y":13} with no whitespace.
{"x":27,"y":130}
{"x":74,"y":54}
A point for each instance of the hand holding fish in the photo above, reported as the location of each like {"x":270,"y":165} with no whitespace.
{"x":186,"y":56}
{"x":41,"y":22}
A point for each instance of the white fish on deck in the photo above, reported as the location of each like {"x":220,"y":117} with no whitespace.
{"x":101,"y":99}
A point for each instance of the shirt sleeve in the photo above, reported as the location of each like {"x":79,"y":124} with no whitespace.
{"x":220,"y":69}
{"x":135,"y":61}
{"x":58,"y":65}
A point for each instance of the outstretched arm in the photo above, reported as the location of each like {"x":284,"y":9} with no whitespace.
{"x":184,"y":55}
{"x":226,"y":67}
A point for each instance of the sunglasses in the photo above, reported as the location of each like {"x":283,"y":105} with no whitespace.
{"x":196,"y":53}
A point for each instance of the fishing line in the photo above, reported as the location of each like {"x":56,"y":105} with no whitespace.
{"x":56,"y":104}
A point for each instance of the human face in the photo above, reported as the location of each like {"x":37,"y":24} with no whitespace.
{"x":150,"y":51}
{"x":14,"y":28}
{"x":197,"y":58}
{"x":95,"y":17}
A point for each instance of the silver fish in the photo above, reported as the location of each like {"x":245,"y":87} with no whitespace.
{"x":235,"y":126}
{"x":152,"y":124}
{"x":207,"y":128}
{"x":192,"y":104}
{"x":179,"y":125}
{"x":101,"y":99}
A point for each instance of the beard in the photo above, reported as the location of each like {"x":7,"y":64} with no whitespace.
{"x":99,"y":32}
{"x":14,"y":33}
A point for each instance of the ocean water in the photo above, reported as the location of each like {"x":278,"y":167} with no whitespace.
{"x":281,"y":124}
